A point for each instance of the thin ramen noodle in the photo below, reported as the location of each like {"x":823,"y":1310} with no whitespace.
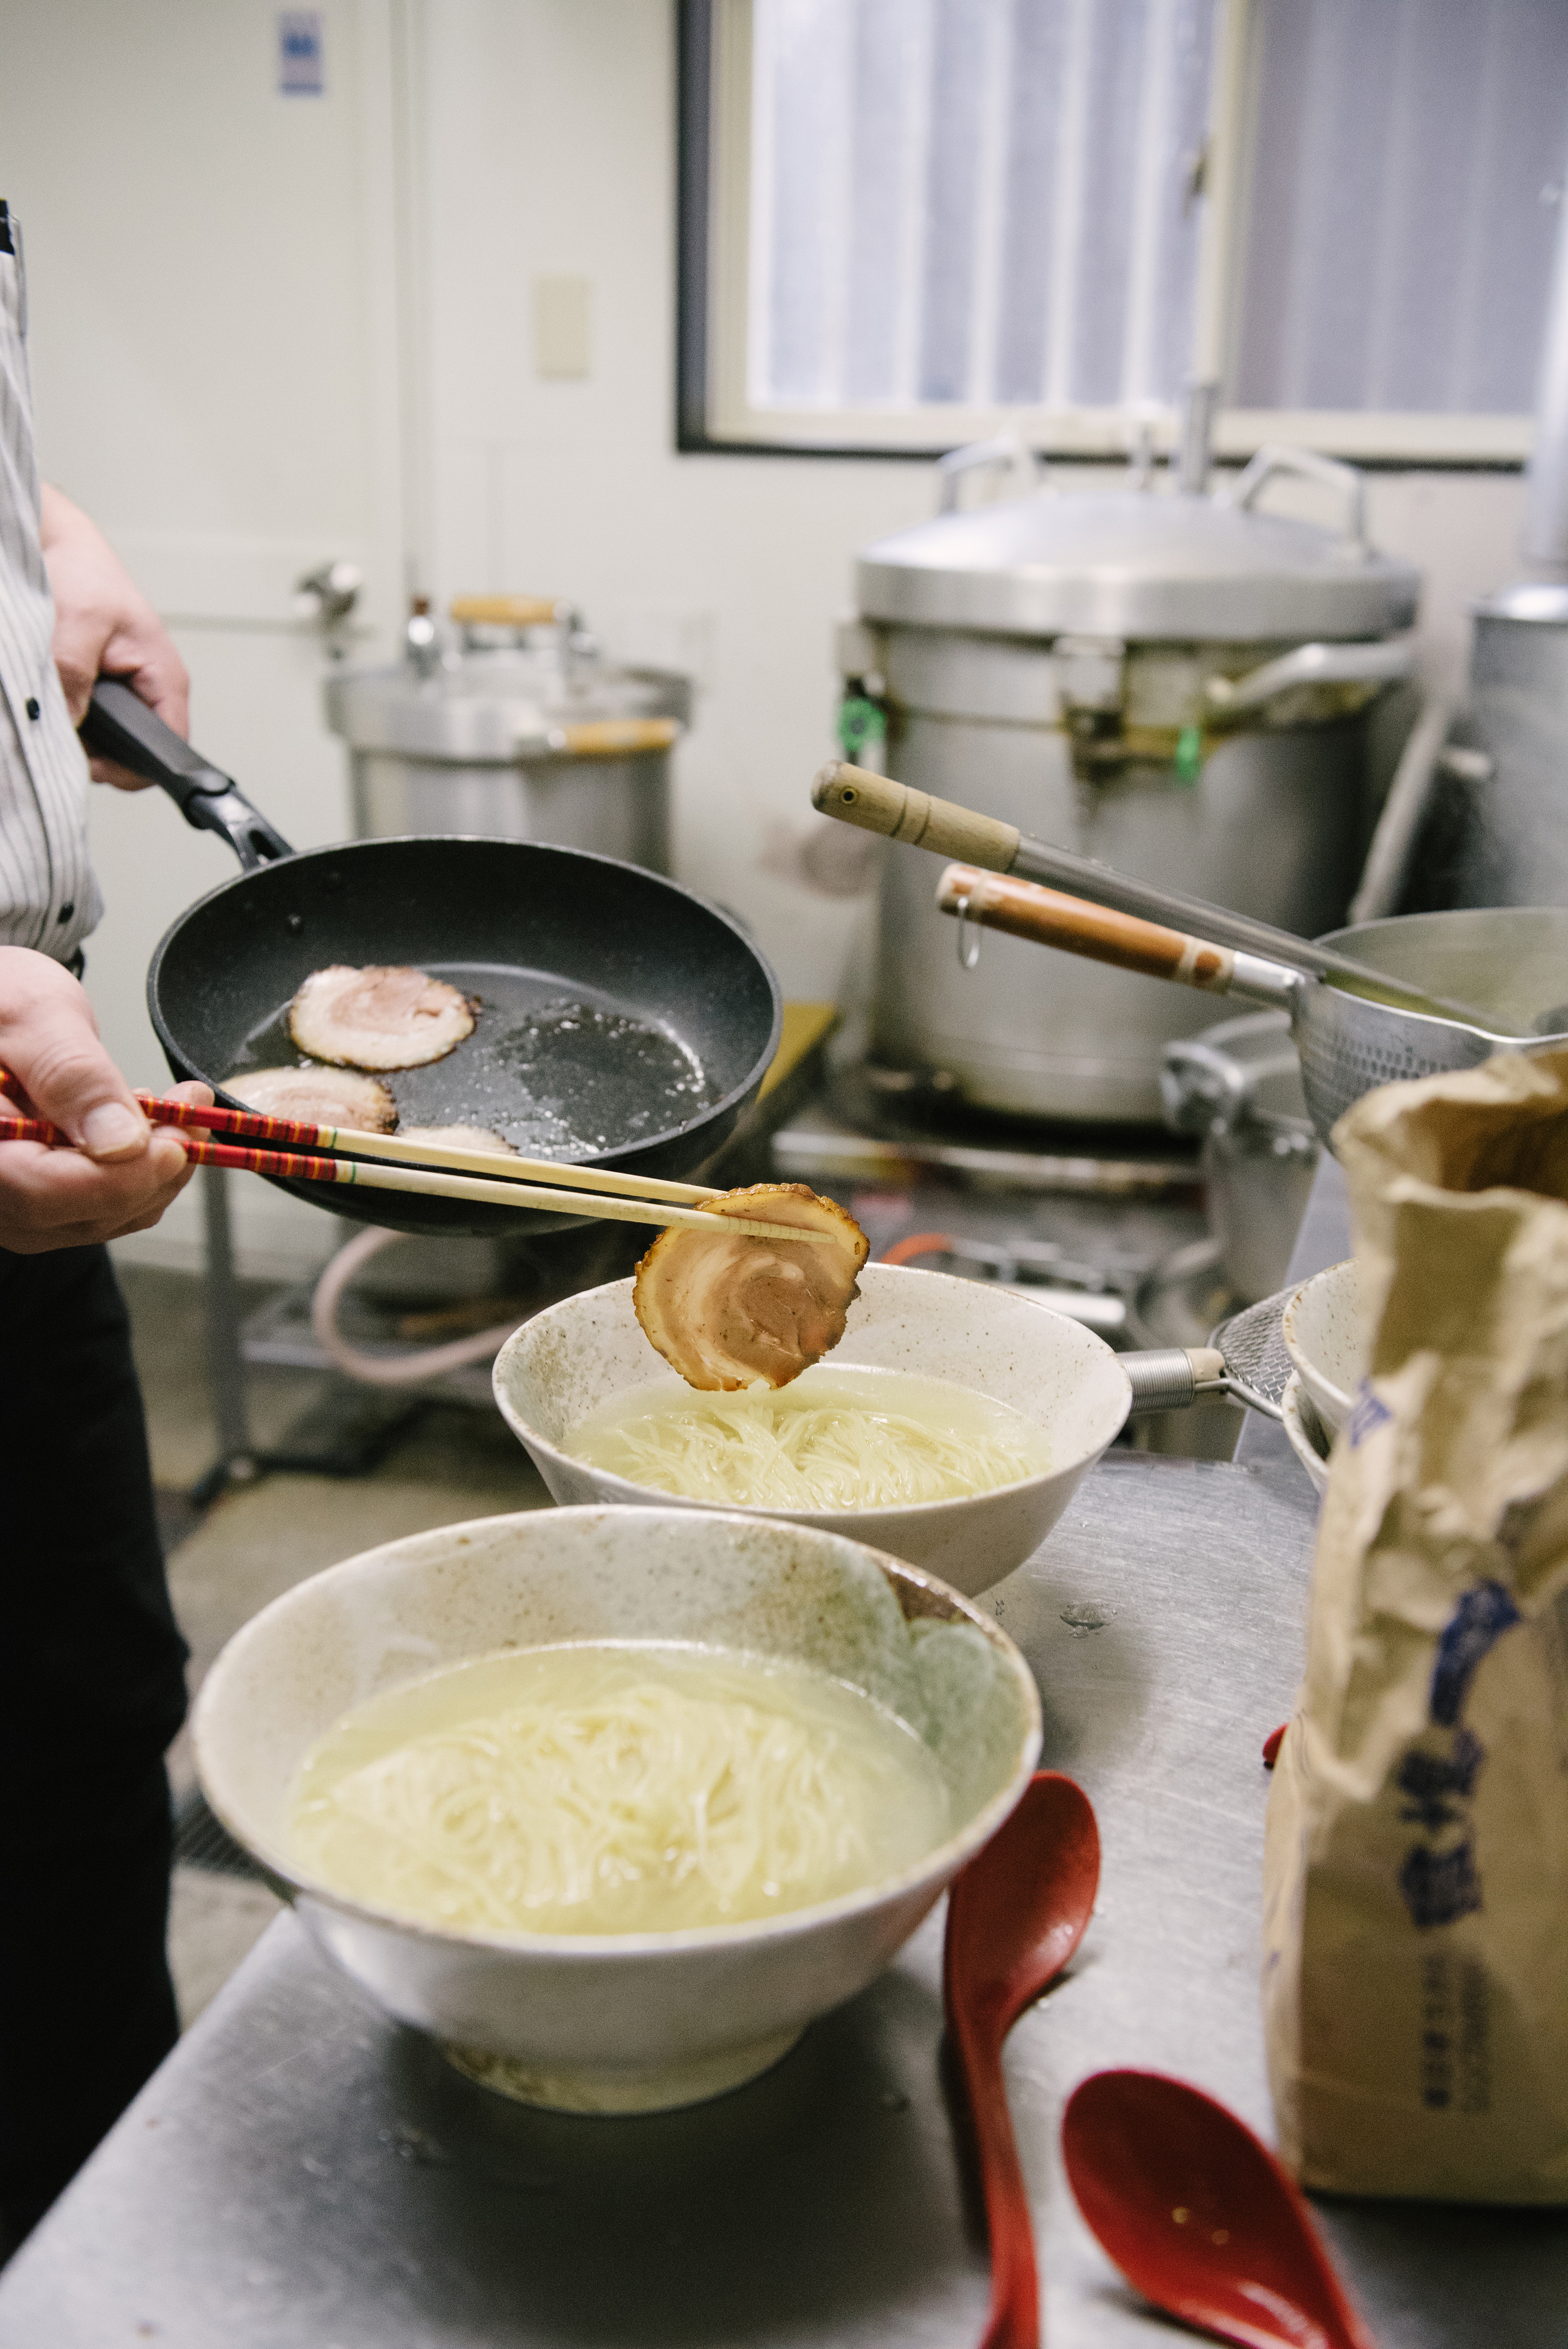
{"x":835,"y":1439}
{"x":614,"y":1788}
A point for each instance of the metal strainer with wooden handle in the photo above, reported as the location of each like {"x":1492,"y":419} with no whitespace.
{"x":1348,"y":1044}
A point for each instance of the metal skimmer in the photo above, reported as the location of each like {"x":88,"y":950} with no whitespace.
{"x":1246,"y":1357}
{"x":1257,"y":1367}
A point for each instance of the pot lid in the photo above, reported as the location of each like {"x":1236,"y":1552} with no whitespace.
{"x":1542,"y":602}
{"x":1132,"y":563}
{"x":514,"y":702}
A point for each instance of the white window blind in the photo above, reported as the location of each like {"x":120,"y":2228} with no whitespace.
{"x":1403,"y":203}
{"x":943,"y":213}
{"x":976,"y":202}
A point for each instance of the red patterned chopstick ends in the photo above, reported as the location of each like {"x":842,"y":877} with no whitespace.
{"x":251,"y":1123}
{"x":286,"y":1163}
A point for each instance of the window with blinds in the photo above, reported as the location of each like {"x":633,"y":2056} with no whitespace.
{"x":977,"y":201}
{"x":923,"y":219}
{"x":1403,"y":203}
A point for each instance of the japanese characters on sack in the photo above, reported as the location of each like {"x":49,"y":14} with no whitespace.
{"x":1416,"y":1860}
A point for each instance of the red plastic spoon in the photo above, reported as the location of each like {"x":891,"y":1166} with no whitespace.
{"x":1014,"y":1917}
{"x":1198,"y":2214}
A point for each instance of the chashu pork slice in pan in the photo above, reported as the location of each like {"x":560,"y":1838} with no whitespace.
{"x":316,"y":1097}
{"x":384,"y":1016}
{"x":725,"y":1309}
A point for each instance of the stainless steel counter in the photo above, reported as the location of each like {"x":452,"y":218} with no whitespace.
{"x":303,"y":2174}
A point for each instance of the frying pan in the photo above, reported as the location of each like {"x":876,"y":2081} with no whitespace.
{"x":602,"y":984}
{"x":1513,"y":956}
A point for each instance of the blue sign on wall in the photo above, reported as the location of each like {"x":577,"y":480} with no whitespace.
{"x":301,"y":70}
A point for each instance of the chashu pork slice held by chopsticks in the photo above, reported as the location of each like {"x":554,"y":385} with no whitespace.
{"x":728,"y":1309}
{"x":384,"y":1016}
{"x":315,"y":1097}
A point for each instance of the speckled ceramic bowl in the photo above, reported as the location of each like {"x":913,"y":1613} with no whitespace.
{"x":1321,"y":1329}
{"x":623,"y":2022}
{"x":577,"y":1355}
{"x":1308,"y":1438}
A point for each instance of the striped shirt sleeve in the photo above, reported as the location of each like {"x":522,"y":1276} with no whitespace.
{"x":48,"y":896}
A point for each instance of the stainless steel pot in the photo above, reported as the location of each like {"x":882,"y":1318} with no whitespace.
{"x":1172,"y":684}
{"x":1238,"y":1085}
{"x":517,"y":729}
{"x":1496,"y":832}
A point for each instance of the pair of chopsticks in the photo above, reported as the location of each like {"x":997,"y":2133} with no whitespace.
{"x":382,"y":1162}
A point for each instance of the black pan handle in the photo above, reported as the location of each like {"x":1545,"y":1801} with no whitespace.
{"x":119,"y":725}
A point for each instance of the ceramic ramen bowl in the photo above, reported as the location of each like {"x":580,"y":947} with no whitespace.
{"x":578,"y":1355}
{"x":623,"y":2023}
{"x":1304,"y":1433}
{"x":1322,"y":1330}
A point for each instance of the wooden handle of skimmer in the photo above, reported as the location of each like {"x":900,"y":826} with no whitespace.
{"x":877,"y":803}
{"x":503,"y":611}
{"x":1026,"y":911}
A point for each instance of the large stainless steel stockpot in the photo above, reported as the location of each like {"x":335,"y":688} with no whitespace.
{"x":1494,"y":831}
{"x":1173,"y":683}
{"x":519,"y":729}
{"x":1498,"y":831}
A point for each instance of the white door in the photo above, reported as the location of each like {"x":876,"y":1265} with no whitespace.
{"x":213,"y":324}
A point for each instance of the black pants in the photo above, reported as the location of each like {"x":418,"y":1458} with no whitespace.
{"x":92,"y":1690}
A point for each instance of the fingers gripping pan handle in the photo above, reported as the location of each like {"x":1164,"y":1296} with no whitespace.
{"x":119,"y":725}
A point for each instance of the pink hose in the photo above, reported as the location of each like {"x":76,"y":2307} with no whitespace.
{"x":380,"y":1369}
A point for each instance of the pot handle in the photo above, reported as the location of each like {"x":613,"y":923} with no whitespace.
{"x":981,"y":456}
{"x":601,"y":737}
{"x":506,"y":611}
{"x":1378,"y":663}
{"x":119,"y":725}
{"x":1306,"y":463}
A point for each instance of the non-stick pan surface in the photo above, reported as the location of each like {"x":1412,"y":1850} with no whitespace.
{"x":622,"y":1021}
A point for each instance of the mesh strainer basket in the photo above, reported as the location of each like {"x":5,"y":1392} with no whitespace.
{"x":1246,"y":1357}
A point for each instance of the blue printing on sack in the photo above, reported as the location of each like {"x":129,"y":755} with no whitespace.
{"x":1367,"y":1413}
{"x":1484,"y":1613}
{"x":1439,"y":1885}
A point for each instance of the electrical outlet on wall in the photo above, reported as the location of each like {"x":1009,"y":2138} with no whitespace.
{"x":562,"y":341}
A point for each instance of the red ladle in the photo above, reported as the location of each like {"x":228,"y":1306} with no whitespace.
{"x":1198,"y":2214}
{"x":1014,"y":1916}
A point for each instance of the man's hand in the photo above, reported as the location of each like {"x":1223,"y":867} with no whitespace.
{"x":105,"y":626}
{"x":124,"y":1172}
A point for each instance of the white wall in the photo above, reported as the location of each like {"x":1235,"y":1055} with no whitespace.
{"x":208,"y":265}
{"x":182,"y":219}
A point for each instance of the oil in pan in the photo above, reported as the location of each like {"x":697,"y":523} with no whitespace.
{"x":558,"y":1076}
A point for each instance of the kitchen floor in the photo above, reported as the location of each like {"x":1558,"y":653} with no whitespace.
{"x":227,"y":1561}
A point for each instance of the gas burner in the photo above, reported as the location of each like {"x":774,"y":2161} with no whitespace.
{"x":879,"y":1126}
{"x":1085,"y":1291}
{"x":1079,"y":1218}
